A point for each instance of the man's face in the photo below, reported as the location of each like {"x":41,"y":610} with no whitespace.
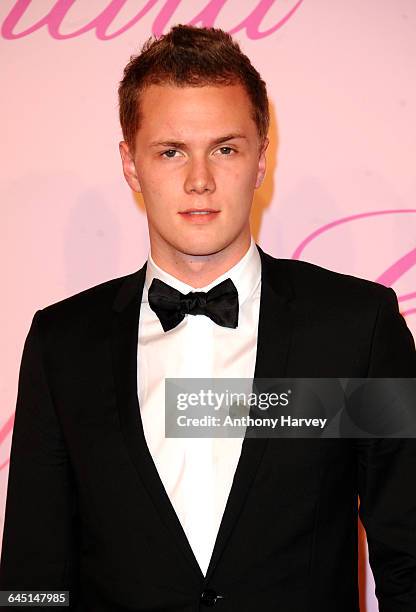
{"x":198,"y":149}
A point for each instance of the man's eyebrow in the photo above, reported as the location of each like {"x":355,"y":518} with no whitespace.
{"x":179,"y":144}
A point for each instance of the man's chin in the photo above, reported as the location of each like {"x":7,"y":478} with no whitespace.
{"x":201,"y":249}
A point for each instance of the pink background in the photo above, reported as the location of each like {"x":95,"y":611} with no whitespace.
{"x":341,"y":179}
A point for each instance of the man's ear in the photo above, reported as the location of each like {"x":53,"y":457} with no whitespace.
{"x":261,"y":170}
{"x":129,"y":168}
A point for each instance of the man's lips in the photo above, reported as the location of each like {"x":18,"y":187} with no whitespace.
{"x":199,"y":215}
{"x":197,"y":210}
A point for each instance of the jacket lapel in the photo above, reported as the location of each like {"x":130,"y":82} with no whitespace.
{"x":124,"y":338}
{"x":273,"y":342}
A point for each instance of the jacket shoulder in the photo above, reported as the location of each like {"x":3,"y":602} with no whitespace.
{"x":91,"y":304}
{"x":310,"y":280}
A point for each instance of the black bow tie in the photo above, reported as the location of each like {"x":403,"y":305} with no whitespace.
{"x":219,"y":303}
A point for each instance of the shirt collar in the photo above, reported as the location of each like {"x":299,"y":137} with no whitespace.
{"x":245,"y":274}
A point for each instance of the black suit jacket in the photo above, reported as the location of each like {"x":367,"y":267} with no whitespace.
{"x":86,"y":509}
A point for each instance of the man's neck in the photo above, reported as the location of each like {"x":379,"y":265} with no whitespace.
{"x":200,"y":270}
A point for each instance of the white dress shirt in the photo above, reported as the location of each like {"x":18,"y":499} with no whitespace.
{"x":197,"y":473}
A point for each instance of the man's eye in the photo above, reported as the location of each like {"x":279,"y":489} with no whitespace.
{"x":226,"y":150}
{"x":169,"y":153}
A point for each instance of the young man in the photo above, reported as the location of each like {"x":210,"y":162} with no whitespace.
{"x":99,"y":502}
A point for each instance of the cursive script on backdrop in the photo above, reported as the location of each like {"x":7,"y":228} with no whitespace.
{"x":395,"y":271}
{"x":206,"y":17}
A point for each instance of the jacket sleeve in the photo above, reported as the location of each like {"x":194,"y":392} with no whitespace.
{"x":40,"y":536}
{"x":387,"y":473}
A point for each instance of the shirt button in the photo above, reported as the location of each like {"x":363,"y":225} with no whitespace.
{"x":210,"y":597}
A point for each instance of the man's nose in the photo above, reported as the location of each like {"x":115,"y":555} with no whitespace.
{"x":199,"y":177}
